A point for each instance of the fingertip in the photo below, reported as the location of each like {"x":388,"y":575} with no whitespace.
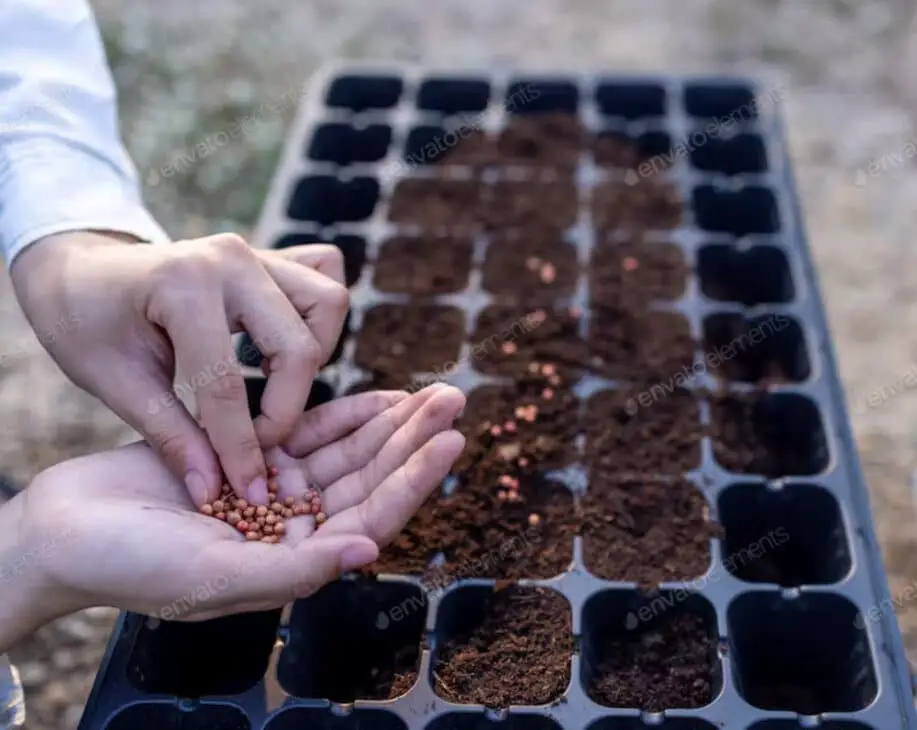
{"x":360,"y":553}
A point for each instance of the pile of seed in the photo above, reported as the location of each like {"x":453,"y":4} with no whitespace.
{"x":264,"y":523}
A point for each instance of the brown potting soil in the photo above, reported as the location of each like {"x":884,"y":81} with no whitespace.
{"x":537,"y":265}
{"x":642,"y":271}
{"x":423,"y":266}
{"x":746,"y":442}
{"x":475,"y":150}
{"x":614,"y":150}
{"x":531,"y":206}
{"x":645,"y":530}
{"x":518,"y":654}
{"x":398,"y":339}
{"x":668,"y":666}
{"x":647,"y":205}
{"x":436,"y":203}
{"x":550,"y":141}
{"x":624,"y":436}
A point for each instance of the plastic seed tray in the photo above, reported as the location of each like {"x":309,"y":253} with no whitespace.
{"x":707,"y":558}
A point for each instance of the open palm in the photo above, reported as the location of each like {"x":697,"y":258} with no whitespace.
{"x":118,"y":529}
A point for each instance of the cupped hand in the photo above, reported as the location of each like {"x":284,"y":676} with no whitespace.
{"x":118,"y":316}
{"x":127,"y":535}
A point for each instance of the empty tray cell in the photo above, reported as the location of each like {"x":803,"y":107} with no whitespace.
{"x":453,"y":96}
{"x":634,"y":723}
{"x":715,"y":101}
{"x":661,"y":438}
{"x":321,"y":393}
{"x":477,"y":721}
{"x":353,"y":248}
{"x":503,"y":421}
{"x":509,"y":340}
{"x":636,"y":345}
{"x":250,"y":355}
{"x":652,"y":653}
{"x":740,"y":213}
{"x":325,"y":199}
{"x":429,"y":145}
{"x":655,"y":271}
{"x":807,"y":655}
{"x":410,"y":339}
{"x":320,"y":718}
{"x":345,"y":145}
{"x":630,"y":101}
{"x":773,"y":435}
{"x":423,"y":266}
{"x":223,"y":656}
{"x":534,"y":96}
{"x":545,"y":141}
{"x":758,"y":275}
{"x":742,"y":154}
{"x":539,"y":265}
{"x":531,"y":206}
{"x":503,"y":647}
{"x":649,"y":205}
{"x":153,"y":716}
{"x":645,"y":530}
{"x":365,"y":92}
{"x":368,"y":647}
{"x":436,"y":204}
{"x":617,"y":150}
{"x":792,"y":536}
{"x":827,"y":725}
{"x":766,"y":349}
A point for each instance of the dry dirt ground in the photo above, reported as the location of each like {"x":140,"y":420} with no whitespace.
{"x":187,"y":70}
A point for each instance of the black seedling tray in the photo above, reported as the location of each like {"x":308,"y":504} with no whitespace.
{"x":818,"y":626}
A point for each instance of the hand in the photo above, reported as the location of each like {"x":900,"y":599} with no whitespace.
{"x":118,"y":529}
{"x":117,"y":317}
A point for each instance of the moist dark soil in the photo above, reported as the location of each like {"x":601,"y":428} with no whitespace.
{"x":647,"y":205}
{"x":508,"y":339}
{"x":423,"y":266}
{"x":530,"y":206}
{"x":641,"y":346}
{"x":477,"y":151}
{"x":531,"y":267}
{"x":517,"y":653}
{"x":745,"y":441}
{"x":401,"y":339}
{"x":614,"y":150}
{"x":548,"y":141}
{"x":740,"y":351}
{"x":645,"y":530}
{"x":668,"y":666}
{"x":662,"y":438}
{"x":436,"y":204}
{"x":628,"y":272}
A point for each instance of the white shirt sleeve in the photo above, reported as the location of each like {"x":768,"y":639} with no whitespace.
{"x":63,"y":166}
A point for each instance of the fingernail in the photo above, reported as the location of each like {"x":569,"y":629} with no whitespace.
{"x":196,"y":486}
{"x":356,"y":556}
{"x":257,"y":491}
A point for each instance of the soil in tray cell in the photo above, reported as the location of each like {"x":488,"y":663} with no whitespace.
{"x":546,"y":141}
{"x":539,"y":264}
{"x":635,"y":272}
{"x":669,"y":666}
{"x":423,"y":266}
{"x":404,"y":339}
{"x":476,"y":151}
{"x":530,"y":206}
{"x":648,"y":205}
{"x":662,"y":438}
{"x":510,"y":341}
{"x":643,"y":346}
{"x":436,"y":204}
{"x":514,"y":649}
{"x":646,"y":531}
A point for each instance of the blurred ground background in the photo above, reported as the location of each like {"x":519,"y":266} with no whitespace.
{"x":187,"y":70}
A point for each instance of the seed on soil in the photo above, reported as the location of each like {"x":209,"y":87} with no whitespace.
{"x":630,"y":263}
{"x":495,"y":431}
{"x":508,"y":348}
{"x":534,"y":520}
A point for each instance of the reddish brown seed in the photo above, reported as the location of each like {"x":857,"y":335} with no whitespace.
{"x":219,"y":505}
{"x":221,"y":516}
{"x":505,"y":480}
{"x":207,"y":509}
{"x":272,"y":471}
{"x":289,"y":502}
{"x":554,"y":380}
{"x":287,"y":512}
{"x":548,"y":369}
{"x":320,"y":518}
{"x":277,"y":508}
{"x":509,"y":427}
{"x":534,"y":520}
{"x":630,"y":263}
{"x":270,"y":518}
{"x":243,"y":526}
{"x":252,"y":535}
{"x":501,"y":495}
{"x":261,"y":510}
{"x":298,"y":510}
{"x":268,"y":529}
{"x":532,"y":263}
{"x":523,"y":462}
{"x":495,"y":430}
{"x":533,"y":367}
{"x":248,"y":512}
{"x":509,"y":348}
{"x":280,"y":528}
{"x":268,"y":538}
{"x":226,"y":490}
{"x":576,"y":312}
{"x":272,"y":486}
{"x":233,"y":518}
{"x":548,"y":273}
{"x":241,"y":504}
{"x":547,"y":394}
